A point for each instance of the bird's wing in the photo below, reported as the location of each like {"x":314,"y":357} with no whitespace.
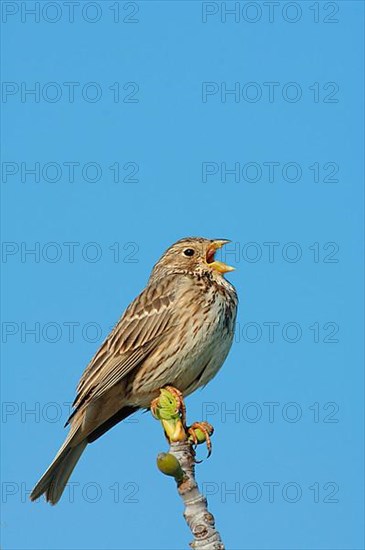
{"x":138,"y":332}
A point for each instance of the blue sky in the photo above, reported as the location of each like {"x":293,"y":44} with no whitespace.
{"x":148,"y":122}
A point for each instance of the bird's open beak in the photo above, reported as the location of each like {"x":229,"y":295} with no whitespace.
{"x":212,"y":262}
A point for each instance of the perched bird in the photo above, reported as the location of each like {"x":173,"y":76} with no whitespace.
{"x":177,"y":332}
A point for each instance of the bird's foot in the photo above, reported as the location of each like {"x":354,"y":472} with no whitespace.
{"x":169,"y":408}
{"x":200,"y":432}
{"x":180,"y":404}
{"x":170,"y":402}
{"x":154,"y":407}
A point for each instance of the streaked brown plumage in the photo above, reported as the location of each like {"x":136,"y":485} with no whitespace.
{"x":177,"y":332}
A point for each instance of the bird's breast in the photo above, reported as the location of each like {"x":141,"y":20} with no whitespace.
{"x":192,"y":352}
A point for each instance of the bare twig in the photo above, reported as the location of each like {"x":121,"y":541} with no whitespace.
{"x":179,"y":462}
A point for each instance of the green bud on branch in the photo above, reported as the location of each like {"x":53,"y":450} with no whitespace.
{"x":170,"y":466}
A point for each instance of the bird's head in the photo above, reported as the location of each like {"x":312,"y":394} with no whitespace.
{"x":193,"y":255}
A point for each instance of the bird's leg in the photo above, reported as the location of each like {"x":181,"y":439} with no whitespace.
{"x":154,"y":407}
{"x":180,"y":404}
{"x":170,"y":409}
{"x":200,"y":432}
{"x":180,"y":408}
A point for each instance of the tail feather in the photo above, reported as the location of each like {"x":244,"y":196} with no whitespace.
{"x":54,"y":480}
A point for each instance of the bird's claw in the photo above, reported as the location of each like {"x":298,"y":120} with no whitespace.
{"x":154,"y":407}
{"x":200,"y":432}
{"x":170,"y":409}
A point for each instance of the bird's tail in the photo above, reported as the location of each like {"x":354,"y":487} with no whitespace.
{"x":54,"y":480}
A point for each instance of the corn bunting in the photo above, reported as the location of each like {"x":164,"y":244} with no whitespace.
{"x":177,"y":332}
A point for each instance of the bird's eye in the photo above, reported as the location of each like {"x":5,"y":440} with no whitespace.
{"x":189,"y":252}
